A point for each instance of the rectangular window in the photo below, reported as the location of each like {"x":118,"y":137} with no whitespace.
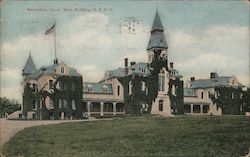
{"x":143,"y":86}
{"x":73,"y":87}
{"x":34,"y":104}
{"x":34,"y":88}
{"x":118,"y":90}
{"x":51,"y":104}
{"x":65,"y":105}
{"x":60,"y":85}
{"x":50,"y":84}
{"x":60,"y":103}
{"x":73,"y":102}
{"x":163,"y":83}
{"x":159,"y":83}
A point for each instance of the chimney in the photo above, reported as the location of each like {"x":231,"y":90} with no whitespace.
{"x":192,"y":79}
{"x":171,"y":65}
{"x":212,"y":75}
{"x":132,"y":63}
{"x":126,"y":66}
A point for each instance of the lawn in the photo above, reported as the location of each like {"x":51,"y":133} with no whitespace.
{"x":136,"y":136}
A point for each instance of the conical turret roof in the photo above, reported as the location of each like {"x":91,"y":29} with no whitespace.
{"x":29,"y":66}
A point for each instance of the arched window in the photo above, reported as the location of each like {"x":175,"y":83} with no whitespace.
{"x":160,"y":105}
{"x":62,"y":70}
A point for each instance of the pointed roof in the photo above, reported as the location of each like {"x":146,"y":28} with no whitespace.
{"x":29,"y":67}
{"x":157,"y":22}
{"x":157,"y":39}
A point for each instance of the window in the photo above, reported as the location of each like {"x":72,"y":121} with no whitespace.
{"x":89,"y":89}
{"x":73,"y":87}
{"x":173,"y":89}
{"x":130,"y":88}
{"x":65,"y":105}
{"x":160,"y":105}
{"x":60,"y":85}
{"x":104,"y":89}
{"x":60,"y":103}
{"x":202,"y":95}
{"x":33,"y":116}
{"x":161,"y":83}
{"x":73,"y":102}
{"x":34,"y":104}
{"x":34,"y":88}
{"x":62,"y":70}
{"x":51,"y":104}
{"x":50,"y":84}
{"x":118,"y":90}
{"x":143,"y":86}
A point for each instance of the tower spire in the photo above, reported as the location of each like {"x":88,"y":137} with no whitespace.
{"x":157,"y":25}
{"x":157,"y":39}
{"x":29,"y":66}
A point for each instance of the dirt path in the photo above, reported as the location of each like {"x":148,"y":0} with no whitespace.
{"x":8,"y":128}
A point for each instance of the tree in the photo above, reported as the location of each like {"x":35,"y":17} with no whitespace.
{"x":8,"y":106}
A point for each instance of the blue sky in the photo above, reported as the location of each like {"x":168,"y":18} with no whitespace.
{"x":203,"y":36}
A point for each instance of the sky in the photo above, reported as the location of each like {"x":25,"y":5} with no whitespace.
{"x":203,"y":36}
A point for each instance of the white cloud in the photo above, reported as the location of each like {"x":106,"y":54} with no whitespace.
{"x":221,"y":48}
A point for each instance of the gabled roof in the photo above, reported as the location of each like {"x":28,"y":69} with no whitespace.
{"x":140,"y":69}
{"x":136,"y":69}
{"x":50,"y":70}
{"x":189,"y":92}
{"x":29,"y":66}
{"x":97,"y":87}
{"x":214,"y":82}
{"x":157,"y":22}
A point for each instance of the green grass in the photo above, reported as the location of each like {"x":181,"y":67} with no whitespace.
{"x":136,"y":136}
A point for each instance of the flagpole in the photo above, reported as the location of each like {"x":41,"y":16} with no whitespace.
{"x":55,"y":44}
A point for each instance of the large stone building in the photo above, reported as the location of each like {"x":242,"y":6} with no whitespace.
{"x":155,"y":87}
{"x":151,"y":87}
{"x":51,"y":92}
{"x":214,"y":96}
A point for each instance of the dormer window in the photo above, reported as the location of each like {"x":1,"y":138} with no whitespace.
{"x":89,"y":88}
{"x":105,"y":89}
{"x":233,"y":82}
{"x":62,"y":70}
{"x":50,"y":84}
{"x":143,"y":71}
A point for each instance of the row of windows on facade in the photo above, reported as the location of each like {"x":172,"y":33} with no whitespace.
{"x":217,"y":94}
{"x":104,"y":89}
{"x":63,"y":103}
{"x":61,"y":86}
